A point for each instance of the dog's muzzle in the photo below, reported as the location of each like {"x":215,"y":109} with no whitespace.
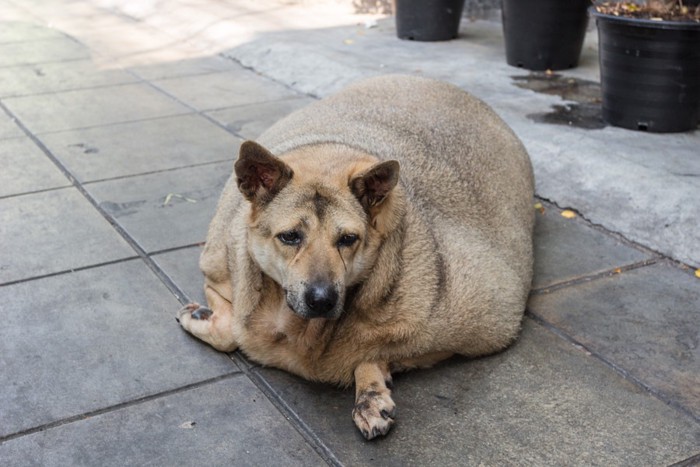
{"x":320,"y":298}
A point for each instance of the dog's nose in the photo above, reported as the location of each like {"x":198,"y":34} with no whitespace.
{"x":321,"y":297}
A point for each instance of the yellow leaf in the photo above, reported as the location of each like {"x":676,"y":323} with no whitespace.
{"x":348,"y":41}
{"x":697,"y":273}
{"x":539,"y":207}
{"x":568,"y":214}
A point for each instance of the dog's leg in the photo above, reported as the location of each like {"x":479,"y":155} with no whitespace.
{"x":374,"y":409}
{"x":424,"y":361}
{"x":213,"y":325}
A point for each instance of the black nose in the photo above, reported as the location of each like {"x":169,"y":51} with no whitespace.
{"x":321,"y":297}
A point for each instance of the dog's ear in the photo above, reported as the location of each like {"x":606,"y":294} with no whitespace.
{"x":372,"y":186}
{"x":260,"y":175}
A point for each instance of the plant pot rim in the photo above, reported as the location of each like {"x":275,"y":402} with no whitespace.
{"x":641,"y":22}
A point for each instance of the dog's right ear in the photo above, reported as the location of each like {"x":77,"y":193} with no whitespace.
{"x":260,"y":175}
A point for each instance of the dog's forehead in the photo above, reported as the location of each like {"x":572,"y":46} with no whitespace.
{"x":326,"y":203}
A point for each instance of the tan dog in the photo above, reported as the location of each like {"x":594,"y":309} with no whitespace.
{"x":323,"y":261}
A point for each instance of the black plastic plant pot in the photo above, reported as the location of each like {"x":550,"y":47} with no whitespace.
{"x":428,"y":20}
{"x":649,"y":73}
{"x":544,"y":34}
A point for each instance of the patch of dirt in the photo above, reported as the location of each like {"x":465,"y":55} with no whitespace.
{"x":659,"y":10}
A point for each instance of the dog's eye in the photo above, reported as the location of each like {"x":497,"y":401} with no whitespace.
{"x":347,"y":240}
{"x":291,"y":237}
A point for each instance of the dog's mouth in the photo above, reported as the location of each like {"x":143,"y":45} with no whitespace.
{"x":316,"y":301}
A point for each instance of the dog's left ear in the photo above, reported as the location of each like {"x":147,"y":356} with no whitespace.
{"x":372,"y":186}
{"x":260,"y":175}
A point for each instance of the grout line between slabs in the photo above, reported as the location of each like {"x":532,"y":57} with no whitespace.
{"x":122,"y":405}
{"x":618,"y":236}
{"x":283,"y":407}
{"x":610,"y":364}
{"x":68,"y":271}
{"x":692,"y":461}
{"x":306,"y":432}
{"x":141,"y":252}
{"x":595,"y":276}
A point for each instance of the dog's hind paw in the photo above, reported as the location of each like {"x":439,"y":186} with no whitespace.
{"x":374,"y":413}
{"x":194,"y":311}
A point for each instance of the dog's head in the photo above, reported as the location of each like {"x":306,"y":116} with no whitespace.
{"x":313,"y":229}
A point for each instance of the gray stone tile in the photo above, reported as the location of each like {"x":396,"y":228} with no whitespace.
{"x":8,"y":128}
{"x":249,"y":121}
{"x":645,"y":321}
{"x":20,"y":31}
{"x":227,"y":89}
{"x":92,"y":107}
{"x":234,"y":424}
{"x":542,"y":402}
{"x":166,"y":209}
{"x":141,"y":147}
{"x":182,"y":266}
{"x":185,"y":66}
{"x":54,"y":231}
{"x":56,"y":49}
{"x":62,"y":76}
{"x":566,"y":249}
{"x":24,"y":168}
{"x":87,"y":340}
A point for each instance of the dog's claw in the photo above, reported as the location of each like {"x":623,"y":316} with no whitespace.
{"x":202,"y":313}
{"x":195,"y":311}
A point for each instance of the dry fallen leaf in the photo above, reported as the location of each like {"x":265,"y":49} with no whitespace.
{"x":176,"y":195}
{"x":539,"y":208}
{"x":567,"y":213}
{"x":697,"y":273}
{"x":617,"y":271}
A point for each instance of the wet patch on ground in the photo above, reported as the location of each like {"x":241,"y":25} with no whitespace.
{"x":585,"y":109}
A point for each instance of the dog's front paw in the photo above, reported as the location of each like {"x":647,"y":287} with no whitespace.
{"x":374,"y":413}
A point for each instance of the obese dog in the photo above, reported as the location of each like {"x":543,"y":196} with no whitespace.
{"x":385,"y":228}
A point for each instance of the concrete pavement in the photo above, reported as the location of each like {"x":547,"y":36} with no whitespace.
{"x":119,"y":123}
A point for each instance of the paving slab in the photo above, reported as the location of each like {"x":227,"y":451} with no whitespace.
{"x":92,"y":339}
{"x":183,"y":65}
{"x":224,"y":89}
{"x":249,"y":121}
{"x":182,"y":266}
{"x":53,"y":231}
{"x":568,"y":249}
{"x":644,"y":321}
{"x":167,"y":209}
{"x":148,"y":146}
{"x":23,"y":31}
{"x":55,"y":49}
{"x":225,"y":423}
{"x":86,"y":108}
{"x":63,"y":76}
{"x":25,"y":168}
{"x":8,"y":128}
{"x":542,"y":402}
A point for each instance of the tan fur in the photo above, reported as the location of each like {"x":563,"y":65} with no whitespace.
{"x":443,"y":263}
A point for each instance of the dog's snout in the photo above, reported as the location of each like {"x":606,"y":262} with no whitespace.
{"x":321,"y":297}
